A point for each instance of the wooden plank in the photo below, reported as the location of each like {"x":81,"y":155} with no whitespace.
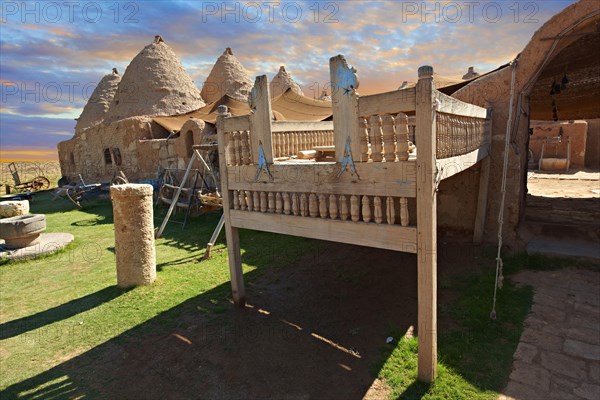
{"x":260,"y":119}
{"x":232,"y":124}
{"x":376,"y":179}
{"x":381,"y":236}
{"x":392,"y":102}
{"x":231,"y":233}
{"x":484,"y":179}
{"x":450,"y":105}
{"x":344,"y":97}
{"x":426,"y":227}
{"x":301,"y":126}
{"x":451,"y":166}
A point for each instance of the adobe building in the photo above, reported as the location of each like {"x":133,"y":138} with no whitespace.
{"x":151,"y":117}
{"x":123,"y":135}
{"x":565,"y":46}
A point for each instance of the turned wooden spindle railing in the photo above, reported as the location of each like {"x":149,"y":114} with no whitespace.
{"x":385,"y":138}
{"x":288,"y":144}
{"x":388,"y":210}
{"x":286,"y":139}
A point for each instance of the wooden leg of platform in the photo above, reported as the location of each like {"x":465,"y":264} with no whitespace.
{"x":426,"y":226}
{"x":484,"y":178}
{"x":427,"y":319}
{"x":235,"y":265}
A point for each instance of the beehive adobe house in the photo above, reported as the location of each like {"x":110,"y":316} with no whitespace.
{"x":124,"y":135}
{"x":227,"y":77}
{"x":566,"y":44}
{"x":151,"y":117}
{"x":95,"y":110}
{"x":282,"y":82}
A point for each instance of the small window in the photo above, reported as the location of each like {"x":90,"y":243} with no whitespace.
{"x":117,"y":155}
{"x":107,"y":157}
{"x":72,"y":158}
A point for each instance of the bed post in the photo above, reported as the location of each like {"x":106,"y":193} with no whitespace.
{"x":260,"y":119}
{"x":344,"y":97}
{"x":484,"y":179}
{"x":426,"y":225}
{"x":231,"y":233}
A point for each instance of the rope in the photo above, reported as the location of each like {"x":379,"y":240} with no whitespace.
{"x":499,"y":264}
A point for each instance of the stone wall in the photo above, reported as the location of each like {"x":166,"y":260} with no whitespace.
{"x":137,"y":146}
{"x":592,"y":147}
{"x":458,"y":195}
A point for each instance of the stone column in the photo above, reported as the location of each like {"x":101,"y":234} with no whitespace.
{"x":134,"y":234}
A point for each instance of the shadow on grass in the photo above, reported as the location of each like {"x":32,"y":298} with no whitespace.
{"x":19,"y":326}
{"x":307,"y":333}
{"x":299,"y":336}
{"x":102,"y":220}
{"x":416,"y":390}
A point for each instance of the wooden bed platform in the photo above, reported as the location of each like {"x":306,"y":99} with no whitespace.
{"x":362,"y":197}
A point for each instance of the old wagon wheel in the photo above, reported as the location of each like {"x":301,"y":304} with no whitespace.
{"x":40,"y":183}
{"x":75,"y":196}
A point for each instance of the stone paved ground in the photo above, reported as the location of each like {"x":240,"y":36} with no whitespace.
{"x":558,"y":356}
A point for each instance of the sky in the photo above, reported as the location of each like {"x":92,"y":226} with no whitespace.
{"x":53,"y":53}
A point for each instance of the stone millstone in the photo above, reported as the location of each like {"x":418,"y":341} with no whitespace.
{"x":134,"y":234}
{"x":14,"y":208}
{"x":48,"y":243}
{"x":22,"y":230}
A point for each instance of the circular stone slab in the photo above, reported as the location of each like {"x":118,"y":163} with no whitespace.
{"x":49,"y":243}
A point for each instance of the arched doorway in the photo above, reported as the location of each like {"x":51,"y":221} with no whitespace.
{"x":562,"y":204}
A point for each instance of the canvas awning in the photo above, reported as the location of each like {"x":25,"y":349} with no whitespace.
{"x":289,"y":106}
{"x":296,"y":107}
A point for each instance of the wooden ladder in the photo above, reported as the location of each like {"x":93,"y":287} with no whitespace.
{"x":174,"y":201}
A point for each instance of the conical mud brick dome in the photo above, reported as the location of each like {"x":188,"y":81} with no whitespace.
{"x":95,"y":110}
{"x":282,"y":82}
{"x":227,"y":77}
{"x":155,"y":84}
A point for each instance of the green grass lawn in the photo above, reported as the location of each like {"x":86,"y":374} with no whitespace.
{"x":67,"y":303}
{"x":60,"y":306}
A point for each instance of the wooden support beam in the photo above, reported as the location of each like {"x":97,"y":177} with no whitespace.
{"x":260,"y":119}
{"x":392,"y":102}
{"x":450,"y":105}
{"x":426,"y":226}
{"x":390,"y":237}
{"x":241,"y":123}
{"x":233,"y":239}
{"x":296,"y":126}
{"x":344,"y":97}
{"x":484,"y":179}
{"x":376,"y":179}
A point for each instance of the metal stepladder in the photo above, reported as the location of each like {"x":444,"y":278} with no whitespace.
{"x":178,"y":189}
{"x":187,"y":200}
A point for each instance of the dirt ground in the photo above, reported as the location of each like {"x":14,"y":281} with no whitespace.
{"x":316,"y":329}
{"x":575,"y":184}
